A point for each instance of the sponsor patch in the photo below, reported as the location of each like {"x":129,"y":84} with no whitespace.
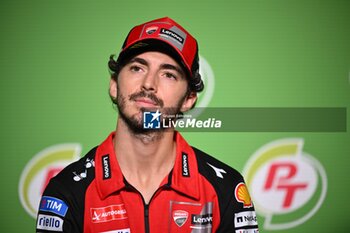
{"x":106,"y":167}
{"x":218,"y":171}
{"x":242,"y":195}
{"x":78,"y":176}
{"x":172,"y":34}
{"x":199,"y":219}
{"x":185,"y":168}
{"x":180,"y":217}
{"x":203,"y":221}
{"x":126,"y":230}
{"x":108,"y":213}
{"x":255,"y":230}
{"x":247,"y":218}
{"x":193,"y":216}
{"x":151,"y":30}
{"x":49,"y":223}
{"x":53,"y":205}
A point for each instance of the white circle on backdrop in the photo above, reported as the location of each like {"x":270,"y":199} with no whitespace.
{"x":305,"y":175}
{"x":206,"y":95}
{"x":208,"y":78}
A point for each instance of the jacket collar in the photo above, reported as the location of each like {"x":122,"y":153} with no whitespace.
{"x":185,"y":172}
{"x":184,"y":176}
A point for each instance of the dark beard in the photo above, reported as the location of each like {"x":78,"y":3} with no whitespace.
{"x":134,"y":123}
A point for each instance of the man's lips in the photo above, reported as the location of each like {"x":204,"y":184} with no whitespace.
{"x":143,"y":99}
{"x":145,"y":102}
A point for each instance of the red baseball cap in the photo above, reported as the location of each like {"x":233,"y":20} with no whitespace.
{"x":166,"y":36}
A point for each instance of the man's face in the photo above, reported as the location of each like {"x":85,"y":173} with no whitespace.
{"x":148,"y":82}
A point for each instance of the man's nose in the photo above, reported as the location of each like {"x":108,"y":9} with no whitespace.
{"x":150,"y":82}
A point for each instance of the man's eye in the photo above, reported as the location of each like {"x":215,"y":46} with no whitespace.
{"x":135,"y":68}
{"x":170,"y":76}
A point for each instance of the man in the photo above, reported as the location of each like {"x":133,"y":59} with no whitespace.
{"x":149,"y":180}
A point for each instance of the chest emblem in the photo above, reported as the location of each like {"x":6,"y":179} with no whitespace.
{"x":180,"y":217}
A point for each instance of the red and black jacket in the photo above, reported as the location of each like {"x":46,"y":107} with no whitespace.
{"x":200,"y":195}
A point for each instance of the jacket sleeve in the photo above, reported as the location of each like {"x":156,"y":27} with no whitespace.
{"x":59,"y":210}
{"x":239,"y":215}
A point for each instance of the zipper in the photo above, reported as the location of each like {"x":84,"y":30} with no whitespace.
{"x":146,"y":206}
{"x":146,"y":216}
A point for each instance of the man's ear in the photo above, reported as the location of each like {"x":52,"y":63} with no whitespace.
{"x":189,"y":101}
{"x":113,"y":88}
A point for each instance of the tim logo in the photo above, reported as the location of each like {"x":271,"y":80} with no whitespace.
{"x":284,"y":180}
{"x":151,"y":120}
{"x":53,"y":205}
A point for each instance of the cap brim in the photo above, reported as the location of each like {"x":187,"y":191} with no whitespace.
{"x":148,"y":45}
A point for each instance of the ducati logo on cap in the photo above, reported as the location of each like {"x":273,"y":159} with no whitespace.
{"x":151,"y":30}
{"x":180,"y":217}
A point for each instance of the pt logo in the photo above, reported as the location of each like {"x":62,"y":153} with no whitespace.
{"x":280,"y":178}
{"x":151,"y":120}
{"x":287,"y":185}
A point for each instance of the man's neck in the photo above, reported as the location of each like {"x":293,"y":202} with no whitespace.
{"x":145,"y":159}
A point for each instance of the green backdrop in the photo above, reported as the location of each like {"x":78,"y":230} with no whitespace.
{"x":267,"y":53}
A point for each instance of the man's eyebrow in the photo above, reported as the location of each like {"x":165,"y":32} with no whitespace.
{"x":166,"y":66}
{"x":138,"y":60}
{"x":172,"y":67}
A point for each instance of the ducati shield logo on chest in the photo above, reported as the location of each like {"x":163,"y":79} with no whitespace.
{"x":180,"y":217}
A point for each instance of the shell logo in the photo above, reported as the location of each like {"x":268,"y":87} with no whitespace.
{"x":288,"y":185}
{"x":242,"y":195}
{"x":40,"y":169}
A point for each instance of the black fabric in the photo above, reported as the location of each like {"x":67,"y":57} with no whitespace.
{"x":225,"y":189}
{"x":72,"y":192}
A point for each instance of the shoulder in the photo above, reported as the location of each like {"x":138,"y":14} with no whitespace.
{"x":77,"y":175}
{"x":64,"y":196}
{"x":222,"y":177}
{"x":215,"y":171}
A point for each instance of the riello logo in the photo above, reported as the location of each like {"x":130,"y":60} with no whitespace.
{"x":287,"y":185}
{"x":40,"y":169}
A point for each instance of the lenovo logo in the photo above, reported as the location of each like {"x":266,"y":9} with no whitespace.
{"x":185,"y":168}
{"x":172,"y":34}
{"x":204,"y":219}
{"x":106,"y":167}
